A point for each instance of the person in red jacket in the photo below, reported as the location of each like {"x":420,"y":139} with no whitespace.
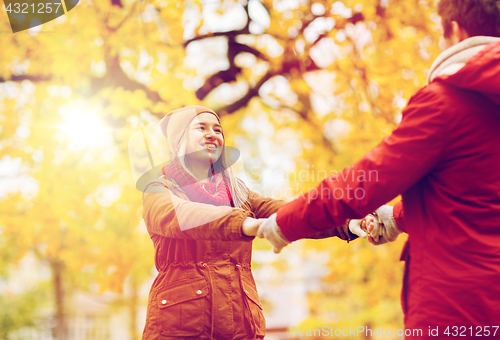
{"x":444,"y":159}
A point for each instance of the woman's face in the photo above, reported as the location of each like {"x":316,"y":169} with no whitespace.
{"x":204,"y":140}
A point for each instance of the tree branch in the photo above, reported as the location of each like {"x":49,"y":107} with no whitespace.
{"x":35,"y":79}
{"x":243,"y":101}
{"x":129,"y":14}
{"x":305,"y":116}
{"x":115,"y":77}
{"x":251,"y":50}
{"x":218,"y":34}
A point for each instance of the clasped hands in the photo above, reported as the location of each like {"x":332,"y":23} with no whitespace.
{"x":380,"y":227}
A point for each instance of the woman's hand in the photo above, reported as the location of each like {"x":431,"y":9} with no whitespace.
{"x":382,"y":228}
{"x":271,"y":231}
{"x":250,"y":226}
{"x":372,"y":226}
{"x":358,"y":227}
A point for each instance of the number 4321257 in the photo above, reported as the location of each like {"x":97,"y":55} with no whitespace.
{"x":41,"y":8}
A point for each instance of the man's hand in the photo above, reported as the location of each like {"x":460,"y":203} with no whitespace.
{"x":270,"y":230}
{"x":251,"y":225}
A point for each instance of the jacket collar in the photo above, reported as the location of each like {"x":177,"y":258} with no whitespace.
{"x":454,"y":58}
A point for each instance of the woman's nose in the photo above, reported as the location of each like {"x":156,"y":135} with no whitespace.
{"x":209,"y":133}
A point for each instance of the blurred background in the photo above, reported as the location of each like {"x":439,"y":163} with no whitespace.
{"x":304,"y":89}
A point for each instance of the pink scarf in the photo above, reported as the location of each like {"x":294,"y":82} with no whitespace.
{"x":209,"y":193}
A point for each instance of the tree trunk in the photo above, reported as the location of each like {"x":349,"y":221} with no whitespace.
{"x":60,"y":331}
{"x":133,"y":309}
{"x":368,"y":334}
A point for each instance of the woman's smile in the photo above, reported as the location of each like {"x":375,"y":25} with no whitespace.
{"x":204,"y":142}
{"x":211,"y":147}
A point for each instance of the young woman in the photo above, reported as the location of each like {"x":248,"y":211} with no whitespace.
{"x":202,"y":220}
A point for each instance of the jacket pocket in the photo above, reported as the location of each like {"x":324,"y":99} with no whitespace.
{"x":182,"y":308}
{"x":255,"y":309}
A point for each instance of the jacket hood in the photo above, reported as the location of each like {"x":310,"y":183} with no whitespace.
{"x":473,"y":65}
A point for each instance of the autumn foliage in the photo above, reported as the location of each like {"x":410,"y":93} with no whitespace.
{"x":302,"y":87}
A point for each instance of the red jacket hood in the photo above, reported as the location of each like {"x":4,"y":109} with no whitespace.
{"x":481,"y":73}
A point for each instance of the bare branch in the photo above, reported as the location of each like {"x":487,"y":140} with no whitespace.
{"x":230,"y":74}
{"x":243,"y":101}
{"x":251,"y":50}
{"x":218,"y":34}
{"x":35,"y":79}
{"x":117,"y":3}
{"x":129,"y":14}
{"x":115,"y":77}
{"x":306,"y":117}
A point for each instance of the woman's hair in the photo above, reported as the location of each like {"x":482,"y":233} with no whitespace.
{"x":239,"y":191}
{"x":476,"y":17}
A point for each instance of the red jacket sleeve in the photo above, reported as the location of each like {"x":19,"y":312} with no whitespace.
{"x":397,"y":163}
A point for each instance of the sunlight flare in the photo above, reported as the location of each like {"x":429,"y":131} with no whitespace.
{"x":83,"y":128}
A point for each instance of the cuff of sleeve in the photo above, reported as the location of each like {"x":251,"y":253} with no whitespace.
{"x":239,"y":225}
{"x":280,"y":234}
{"x":284,"y":220}
{"x":386,"y":216}
{"x":347,"y":232}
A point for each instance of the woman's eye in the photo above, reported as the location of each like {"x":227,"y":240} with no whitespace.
{"x":218,"y":131}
